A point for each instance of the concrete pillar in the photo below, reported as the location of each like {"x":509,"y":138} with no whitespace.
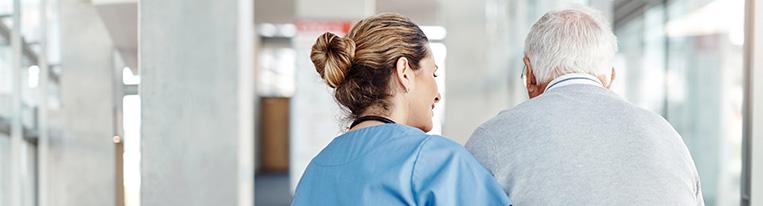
{"x":479,"y":69}
{"x":315,"y":116}
{"x":195,"y":60}
{"x":81,"y":158}
{"x":752,"y":180}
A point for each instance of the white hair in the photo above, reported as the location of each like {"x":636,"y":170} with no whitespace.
{"x":577,"y":40}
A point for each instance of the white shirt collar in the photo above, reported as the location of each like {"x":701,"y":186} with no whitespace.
{"x":574,"y":78}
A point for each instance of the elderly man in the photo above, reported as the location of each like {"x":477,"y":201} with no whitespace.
{"x":575,"y":142}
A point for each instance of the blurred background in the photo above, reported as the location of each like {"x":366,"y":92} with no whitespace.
{"x":193,"y":102}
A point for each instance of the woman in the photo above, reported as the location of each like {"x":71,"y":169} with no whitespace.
{"x":383,"y":74}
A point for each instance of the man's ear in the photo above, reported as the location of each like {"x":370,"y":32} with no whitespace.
{"x":534,"y":88}
{"x":532,"y":84}
{"x":404,"y":74}
{"x":529,"y":75}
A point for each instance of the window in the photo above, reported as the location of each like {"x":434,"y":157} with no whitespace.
{"x":684,"y":60}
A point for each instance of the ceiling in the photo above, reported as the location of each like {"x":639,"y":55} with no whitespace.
{"x":121,"y":18}
{"x":423,"y":12}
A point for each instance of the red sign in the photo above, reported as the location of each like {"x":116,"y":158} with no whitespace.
{"x":323,"y":26}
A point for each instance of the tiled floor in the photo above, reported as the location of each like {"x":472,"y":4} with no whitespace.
{"x":272,"y":189}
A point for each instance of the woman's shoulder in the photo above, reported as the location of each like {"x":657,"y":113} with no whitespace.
{"x":443,"y":148}
{"x":443,"y":158}
{"x":442,"y":142}
{"x":360,"y":143}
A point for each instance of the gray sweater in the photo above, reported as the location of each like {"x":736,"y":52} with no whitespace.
{"x":584,"y":145}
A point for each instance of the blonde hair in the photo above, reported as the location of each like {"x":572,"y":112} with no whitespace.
{"x":359,"y":65}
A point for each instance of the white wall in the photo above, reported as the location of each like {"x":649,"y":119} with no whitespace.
{"x":314,"y":116}
{"x":754,"y":128}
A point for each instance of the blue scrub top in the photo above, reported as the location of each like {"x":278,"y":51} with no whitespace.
{"x":394,"y":164}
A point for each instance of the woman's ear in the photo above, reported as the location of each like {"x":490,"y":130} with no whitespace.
{"x":612,"y":76}
{"x":404,"y":74}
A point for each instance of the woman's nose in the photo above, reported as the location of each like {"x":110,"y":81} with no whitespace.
{"x":437,"y":98}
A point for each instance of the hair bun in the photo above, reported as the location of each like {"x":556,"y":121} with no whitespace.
{"x":332,"y":56}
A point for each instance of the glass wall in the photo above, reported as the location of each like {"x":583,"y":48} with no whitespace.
{"x":683,"y":59}
{"x":6,"y":92}
{"x":5,"y":77}
{"x":6,"y":9}
{"x":19,"y":172}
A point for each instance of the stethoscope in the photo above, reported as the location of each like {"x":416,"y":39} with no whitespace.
{"x":371,"y":118}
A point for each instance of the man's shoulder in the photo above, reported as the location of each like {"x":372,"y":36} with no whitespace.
{"x":499,"y":124}
{"x":522,"y":113}
{"x":498,"y":130}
